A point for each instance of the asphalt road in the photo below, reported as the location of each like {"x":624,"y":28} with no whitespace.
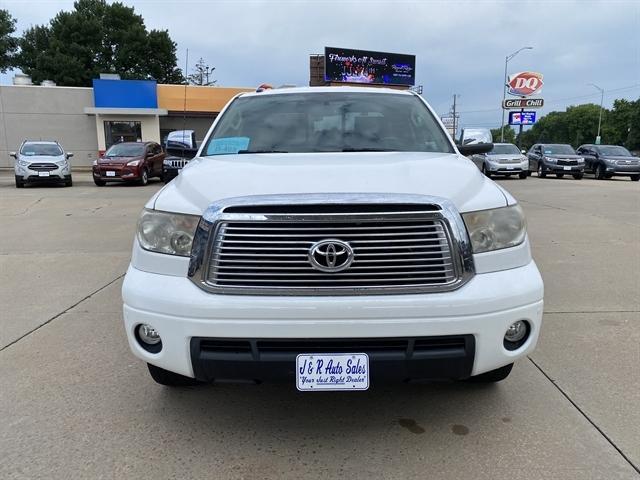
{"x":74,"y":403}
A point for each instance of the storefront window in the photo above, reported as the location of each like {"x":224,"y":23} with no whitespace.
{"x":118,"y":132}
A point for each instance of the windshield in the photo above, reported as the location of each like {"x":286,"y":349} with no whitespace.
{"x":558,"y":150}
{"x":125,"y":150}
{"x":327,"y":122}
{"x":508,"y":149}
{"x":614,"y":150}
{"x":44,"y":149}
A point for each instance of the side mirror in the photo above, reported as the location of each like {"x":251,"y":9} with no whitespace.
{"x":475,"y":148}
{"x":13,"y":154}
{"x":69,"y":154}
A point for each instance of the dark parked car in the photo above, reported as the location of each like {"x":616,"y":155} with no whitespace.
{"x":129,"y":162}
{"x":181,"y":147}
{"x":555,"y":158}
{"x":606,"y":161}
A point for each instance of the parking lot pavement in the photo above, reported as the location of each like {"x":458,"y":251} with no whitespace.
{"x":76,"y":404}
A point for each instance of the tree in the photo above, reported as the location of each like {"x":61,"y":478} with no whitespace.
{"x":97,"y":37}
{"x":509,"y":134}
{"x":202,"y":74}
{"x":8,"y":43}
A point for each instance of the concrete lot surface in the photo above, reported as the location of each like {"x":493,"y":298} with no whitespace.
{"x":74,"y":403}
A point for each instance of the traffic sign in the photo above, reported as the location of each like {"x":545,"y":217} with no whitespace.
{"x":522,"y":118}
{"x":511,"y":103}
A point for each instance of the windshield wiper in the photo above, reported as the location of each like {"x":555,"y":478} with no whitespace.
{"x":368,"y":150}
{"x":262,"y":151}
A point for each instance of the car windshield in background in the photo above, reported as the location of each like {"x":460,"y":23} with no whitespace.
{"x":614,"y":151}
{"x":125,"y":150}
{"x":504,"y":150}
{"x":41,"y":149}
{"x":559,"y":150}
{"x":327,"y":122}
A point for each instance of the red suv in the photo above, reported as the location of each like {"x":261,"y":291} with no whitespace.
{"x":129,"y":162}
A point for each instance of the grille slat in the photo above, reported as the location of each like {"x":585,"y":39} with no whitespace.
{"x":256,"y":255}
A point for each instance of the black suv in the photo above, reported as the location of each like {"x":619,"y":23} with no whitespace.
{"x":606,"y":161}
{"x":555,"y":158}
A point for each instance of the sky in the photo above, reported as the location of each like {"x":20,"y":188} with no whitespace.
{"x":460,"y":46}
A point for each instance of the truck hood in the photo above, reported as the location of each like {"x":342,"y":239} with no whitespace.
{"x":207,"y":179}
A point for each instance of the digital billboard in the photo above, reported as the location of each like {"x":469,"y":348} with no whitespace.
{"x":361,"y":66}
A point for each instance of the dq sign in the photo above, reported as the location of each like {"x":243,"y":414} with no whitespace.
{"x":524,"y":84}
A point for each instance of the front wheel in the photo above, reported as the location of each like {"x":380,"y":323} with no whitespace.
{"x":559,"y":175}
{"x":98,"y":182}
{"x":170,"y":379}
{"x":523,"y":175}
{"x":541,"y":171}
{"x":635,"y":178}
{"x":19,"y":182}
{"x":68,"y":182}
{"x":599,"y":172}
{"x":144,"y":177}
{"x":578,"y":176}
{"x":492,"y":376}
{"x":485,"y":171}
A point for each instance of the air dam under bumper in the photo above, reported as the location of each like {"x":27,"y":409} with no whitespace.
{"x":483,"y":308}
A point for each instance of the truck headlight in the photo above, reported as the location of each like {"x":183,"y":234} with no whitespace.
{"x":496,"y":228}
{"x":164,"y":232}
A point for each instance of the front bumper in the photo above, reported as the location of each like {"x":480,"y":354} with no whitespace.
{"x":507,"y":168}
{"x":482,"y":309}
{"x":568,"y":169}
{"x":27,"y":175}
{"x":622,"y":170}
{"x":120,"y":174}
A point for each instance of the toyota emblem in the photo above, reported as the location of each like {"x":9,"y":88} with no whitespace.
{"x":331,"y":255}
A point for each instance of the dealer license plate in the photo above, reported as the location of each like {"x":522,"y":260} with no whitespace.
{"x":567,"y":168}
{"x":43,"y":174}
{"x":111,"y":174}
{"x":332,"y":371}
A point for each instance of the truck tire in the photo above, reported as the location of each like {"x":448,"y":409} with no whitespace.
{"x":559,"y":175}
{"x":523,"y":175}
{"x":19,"y":182}
{"x":492,"y":376}
{"x":170,"y":379}
{"x":578,"y":176}
{"x":635,"y":178}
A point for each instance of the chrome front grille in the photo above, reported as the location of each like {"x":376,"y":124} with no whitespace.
{"x":275,"y":254}
{"x":256,"y":251}
{"x":43,"y":167}
{"x":179,"y":163}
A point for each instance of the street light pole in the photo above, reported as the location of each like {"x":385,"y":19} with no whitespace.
{"x":600,"y":116}
{"x":504,"y":87}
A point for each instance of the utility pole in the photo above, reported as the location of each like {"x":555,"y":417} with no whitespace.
{"x":455,"y":119}
{"x":600,"y":116}
{"x":504,"y":87}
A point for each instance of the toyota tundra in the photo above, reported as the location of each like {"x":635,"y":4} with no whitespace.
{"x":334,"y":238}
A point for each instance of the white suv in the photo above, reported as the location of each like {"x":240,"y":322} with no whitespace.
{"x":42,"y":162}
{"x":335,"y":238}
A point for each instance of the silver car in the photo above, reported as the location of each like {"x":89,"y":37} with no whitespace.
{"x":503,"y":159}
{"x":42,"y":162}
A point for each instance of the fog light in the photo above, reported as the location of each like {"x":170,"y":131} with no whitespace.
{"x":516,"y":331}
{"x":148,"y":334}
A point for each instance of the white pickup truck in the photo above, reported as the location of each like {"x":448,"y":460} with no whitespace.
{"x":334,"y":238}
